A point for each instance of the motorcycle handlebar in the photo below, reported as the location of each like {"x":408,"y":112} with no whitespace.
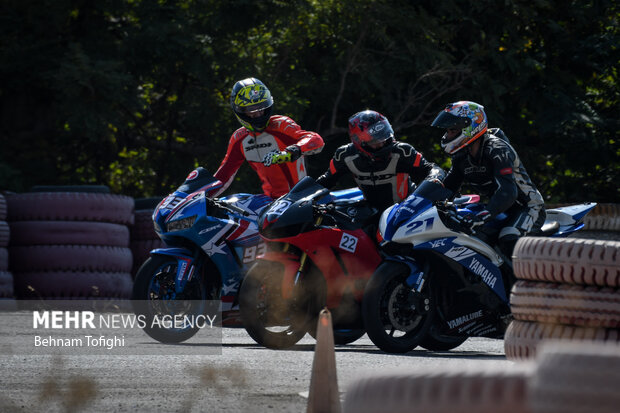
{"x":331,"y":209}
{"x":450,"y":211}
{"x":227,"y":206}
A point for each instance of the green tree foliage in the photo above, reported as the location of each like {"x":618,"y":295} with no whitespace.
{"x":134,"y":93}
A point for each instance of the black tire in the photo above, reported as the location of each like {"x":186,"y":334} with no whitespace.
{"x":342,"y":336}
{"x":70,"y":206}
{"x":435,"y":341}
{"x":269,"y":319}
{"x":5,"y":234}
{"x":99,"y":189}
{"x":387,"y":305}
{"x":28,"y":233}
{"x":154,"y":282}
{"x":2,"y":208}
{"x":70,"y":258}
{"x":143,"y":228}
{"x":4,"y":259}
{"x":141,"y":251}
{"x":6,"y":284}
{"x":72,"y":285}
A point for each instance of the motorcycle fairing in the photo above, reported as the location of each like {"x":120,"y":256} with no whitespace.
{"x":328,"y":251}
{"x":469,"y":318}
{"x":416,"y":275}
{"x":471,"y":260}
{"x":570,"y":217}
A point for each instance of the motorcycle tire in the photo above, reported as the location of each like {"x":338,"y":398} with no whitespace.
{"x":388,"y":300}
{"x":342,"y":336}
{"x":438,"y":342}
{"x":149,"y":296}
{"x":269,"y":319}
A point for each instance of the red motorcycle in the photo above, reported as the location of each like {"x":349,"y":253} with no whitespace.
{"x":320,"y":253}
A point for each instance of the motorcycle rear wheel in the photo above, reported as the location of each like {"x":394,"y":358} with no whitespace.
{"x":396,"y":318}
{"x":438,"y":342}
{"x":154,"y":295}
{"x":268,"y":318}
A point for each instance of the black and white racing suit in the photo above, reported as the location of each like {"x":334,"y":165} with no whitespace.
{"x":498,"y":174}
{"x":383,"y":182}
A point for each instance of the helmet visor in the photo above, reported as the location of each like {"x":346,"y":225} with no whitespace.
{"x":447,"y":120}
{"x":256,"y":109}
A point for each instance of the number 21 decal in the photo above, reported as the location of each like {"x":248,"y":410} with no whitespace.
{"x":415,"y":226}
{"x":348,"y":242}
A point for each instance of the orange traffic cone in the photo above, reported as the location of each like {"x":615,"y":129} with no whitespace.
{"x":324,"y":396}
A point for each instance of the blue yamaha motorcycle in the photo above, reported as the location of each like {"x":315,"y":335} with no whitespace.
{"x":440,"y":282}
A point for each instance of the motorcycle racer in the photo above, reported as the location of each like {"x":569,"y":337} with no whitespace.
{"x":382,"y":167}
{"x":493,"y":168}
{"x":273,"y":145}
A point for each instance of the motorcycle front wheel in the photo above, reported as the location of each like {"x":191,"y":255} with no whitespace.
{"x":271,"y":320}
{"x":342,"y":336}
{"x":155,"y":298}
{"x":396,"y":317}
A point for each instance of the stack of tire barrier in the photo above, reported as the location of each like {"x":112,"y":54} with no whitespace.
{"x":566,"y":289}
{"x":6,"y":278}
{"x":603,"y":222}
{"x":70,"y":245}
{"x":143,"y":237}
{"x":575,"y":377}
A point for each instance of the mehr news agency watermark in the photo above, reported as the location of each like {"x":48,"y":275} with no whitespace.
{"x":96,"y":327}
{"x":58,"y":320}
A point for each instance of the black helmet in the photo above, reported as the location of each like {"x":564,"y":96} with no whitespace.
{"x":252,"y":103}
{"x":371,"y":134}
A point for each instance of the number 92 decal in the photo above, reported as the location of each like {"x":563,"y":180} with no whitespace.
{"x":348,"y":242}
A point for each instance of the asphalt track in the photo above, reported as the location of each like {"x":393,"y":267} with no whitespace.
{"x":243,"y":378}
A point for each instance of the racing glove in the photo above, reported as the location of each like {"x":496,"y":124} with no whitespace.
{"x":473,"y":221}
{"x":290,"y":154}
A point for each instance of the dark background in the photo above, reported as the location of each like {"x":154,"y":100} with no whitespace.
{"x":134,"y":94}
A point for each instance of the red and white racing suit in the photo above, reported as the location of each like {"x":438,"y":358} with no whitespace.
{"x":281,"y":132}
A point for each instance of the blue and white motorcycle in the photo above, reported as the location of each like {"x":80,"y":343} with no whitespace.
{"x":440,"y":283}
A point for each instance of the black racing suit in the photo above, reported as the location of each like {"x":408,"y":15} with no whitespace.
{"x":498,"y":174}
{"x":383,"y":182}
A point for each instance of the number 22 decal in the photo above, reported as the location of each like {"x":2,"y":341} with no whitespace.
{"x":348,"y":242}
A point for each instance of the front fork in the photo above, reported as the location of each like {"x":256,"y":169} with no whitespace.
{"x":187,"y":264}
{"x":304,"y":256}
{"x":288,"y":282}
